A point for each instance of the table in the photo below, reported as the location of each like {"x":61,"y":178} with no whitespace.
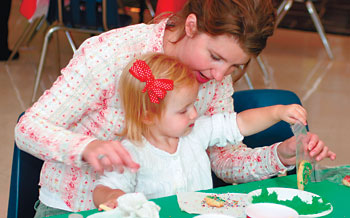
{"x":338,"y":195}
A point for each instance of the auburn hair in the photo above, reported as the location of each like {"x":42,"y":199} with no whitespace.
{"x":250,"y":22}
{"x":137,"y":105}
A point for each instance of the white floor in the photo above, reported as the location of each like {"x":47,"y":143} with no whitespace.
{"x":296,"y":61}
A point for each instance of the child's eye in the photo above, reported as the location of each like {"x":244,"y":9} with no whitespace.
{"x":183,"y":112}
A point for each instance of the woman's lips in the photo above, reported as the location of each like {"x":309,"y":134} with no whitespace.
{"x":191,"y":125}
{"x":201,"y":78}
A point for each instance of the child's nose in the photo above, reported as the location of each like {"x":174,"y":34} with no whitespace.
{"x":194,"y":113}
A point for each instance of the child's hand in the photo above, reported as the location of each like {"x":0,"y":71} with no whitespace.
{"x":108,"y":205}
{"x":292,"y":113}
{"x":317,"y":149}
{"x":314,"y":146}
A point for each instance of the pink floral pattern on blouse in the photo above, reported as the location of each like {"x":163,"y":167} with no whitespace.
{"x":83,"y":105}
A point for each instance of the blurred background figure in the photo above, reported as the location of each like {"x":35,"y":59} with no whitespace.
{"x":5,"y":7}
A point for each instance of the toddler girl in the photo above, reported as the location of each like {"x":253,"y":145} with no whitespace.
{"x":158,"y":94}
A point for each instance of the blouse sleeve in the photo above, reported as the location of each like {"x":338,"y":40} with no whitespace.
{"x":235,"y":163}
{"x":239,"y":164}
{"x":45,"y":130}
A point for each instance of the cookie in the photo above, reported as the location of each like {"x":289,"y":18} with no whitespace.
{"x":346,"y":180}
{"x":304,"y":173}
{"x":214,"y":201}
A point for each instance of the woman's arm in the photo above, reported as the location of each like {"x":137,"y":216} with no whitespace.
{"x":314,"y":147}
{"x":44,"y":130}
{"x":74,"y":115}
{"x":258,"y":119}
{"x":239,"y":164}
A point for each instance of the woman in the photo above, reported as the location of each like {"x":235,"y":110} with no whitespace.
{"x":73,"y":125}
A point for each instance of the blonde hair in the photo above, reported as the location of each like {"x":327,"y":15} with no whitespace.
{"x":137,"y":105}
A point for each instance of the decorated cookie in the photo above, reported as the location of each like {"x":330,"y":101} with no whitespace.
{"x":214,"y":201}
{"x":304,"y":173}
{"x":346,"y":180}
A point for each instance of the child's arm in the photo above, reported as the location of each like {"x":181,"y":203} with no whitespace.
{"x":107,"y":196}
{"x":255,"y":120}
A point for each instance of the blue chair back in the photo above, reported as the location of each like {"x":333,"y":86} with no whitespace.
{"x":248,"y":99}
{"x":87,"y":14}
{"x":24,"y":187}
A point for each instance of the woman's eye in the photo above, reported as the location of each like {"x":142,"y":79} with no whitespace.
{"x":215,"y":57}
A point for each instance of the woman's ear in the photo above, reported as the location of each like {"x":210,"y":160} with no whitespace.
{"x":191,"y":25}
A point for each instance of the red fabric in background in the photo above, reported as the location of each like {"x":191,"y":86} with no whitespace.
{"x":169,"y":5}
{"x":28,"y":8}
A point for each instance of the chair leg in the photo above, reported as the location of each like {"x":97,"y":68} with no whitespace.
{"x":263,"y":69}
{"x":29,"y":30}
{"x":35,"y":30}
{"x":70,"y":41}
{"x":150,"y":8}
{"x":249,"y":82}
{"x":315,"y":18}
{"x":142,"y":10}
{"x":283,"y":9}
{"x":58,"y":52}
{"x":42,"y":60}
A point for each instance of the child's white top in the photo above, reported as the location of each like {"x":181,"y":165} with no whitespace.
{"x":188,"y":169}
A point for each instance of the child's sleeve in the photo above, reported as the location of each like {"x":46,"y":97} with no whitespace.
{"x":218,"y":130}
{"x":125,"y":181}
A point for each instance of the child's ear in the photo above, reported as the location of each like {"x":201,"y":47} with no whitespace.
{"x":147,"y":119}
{"x":191,"y":25}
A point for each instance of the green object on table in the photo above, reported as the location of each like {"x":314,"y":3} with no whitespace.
{"x":302,"y":207}
{"x":337,"y":195}
{"x":332,"y":174}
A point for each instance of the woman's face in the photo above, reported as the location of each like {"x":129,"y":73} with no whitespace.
{"x":210,"y":57}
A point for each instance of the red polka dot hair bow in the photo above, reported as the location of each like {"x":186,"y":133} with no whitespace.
{"x":156,"y":88}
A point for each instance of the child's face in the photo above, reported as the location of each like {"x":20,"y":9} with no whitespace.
{"x":180,"y":113}
{"x":212,"y":57}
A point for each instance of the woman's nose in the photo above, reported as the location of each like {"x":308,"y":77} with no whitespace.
{"x":218,"y":74}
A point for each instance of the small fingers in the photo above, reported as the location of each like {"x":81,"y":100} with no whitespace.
{"x":295,"y":113}
{"x":320,"y":156}
{"x":301,"y":115}
{"x":332,"y":155}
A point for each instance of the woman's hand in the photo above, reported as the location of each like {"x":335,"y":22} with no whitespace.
{"x":313,"y":146}
{"x":104,"y":155}
{"x":292,"y":113}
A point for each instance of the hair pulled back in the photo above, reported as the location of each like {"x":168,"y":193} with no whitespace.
{"x":251,"y":22}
